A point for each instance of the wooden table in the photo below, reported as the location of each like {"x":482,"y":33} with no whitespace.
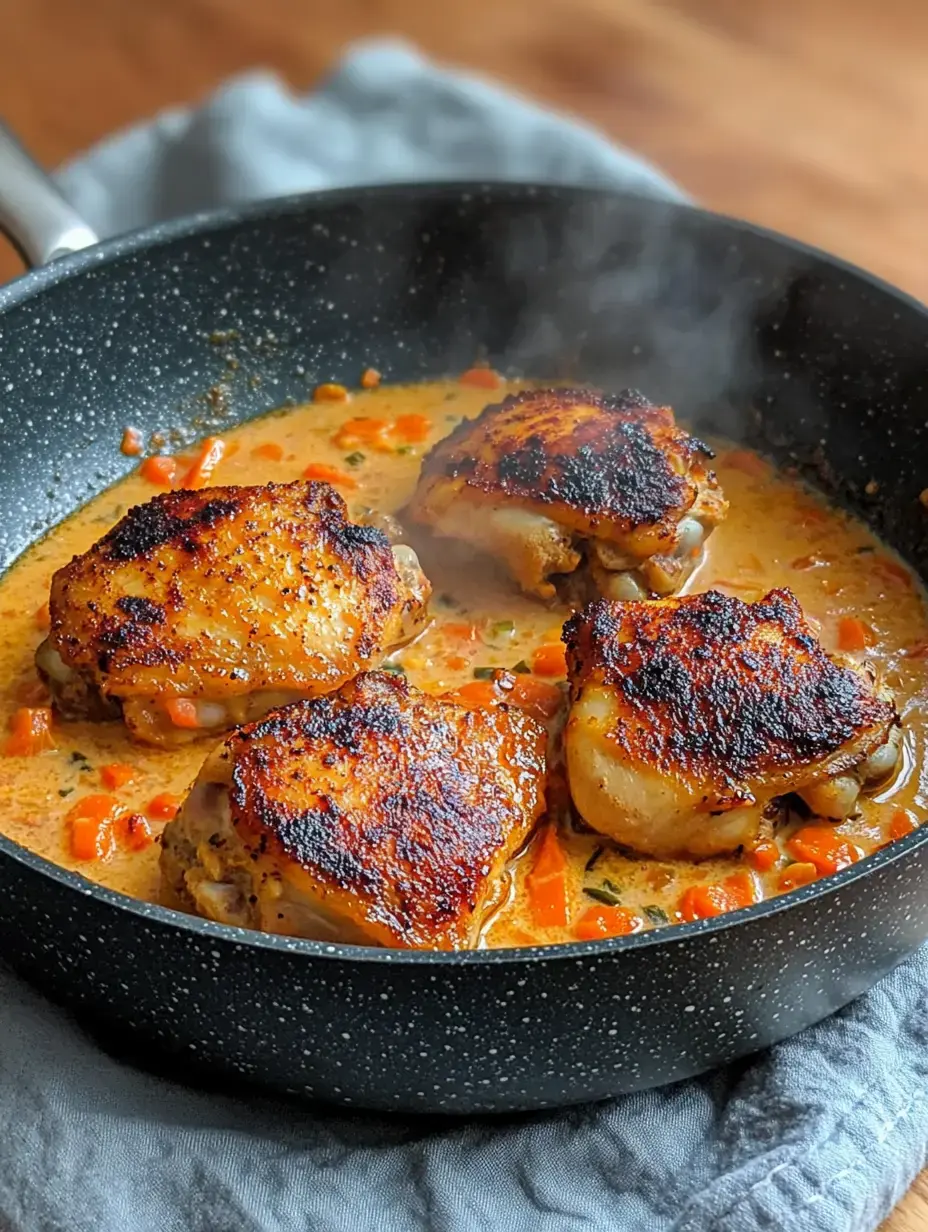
{"x":810,"y":116}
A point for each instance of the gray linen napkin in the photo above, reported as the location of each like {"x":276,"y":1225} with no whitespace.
{"x":824,"y":1132}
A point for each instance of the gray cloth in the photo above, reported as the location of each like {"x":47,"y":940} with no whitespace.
{"x":824,"y":1132}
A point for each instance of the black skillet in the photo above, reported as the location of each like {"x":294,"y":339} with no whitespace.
{"x":215,"y":319}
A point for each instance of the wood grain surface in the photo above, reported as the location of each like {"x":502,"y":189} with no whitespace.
{"x":809,"y":116}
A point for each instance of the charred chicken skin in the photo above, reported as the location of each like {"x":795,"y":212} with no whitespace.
{"x":201,"y":610}
{"x":690,"y":715}
{"x":551,"y":478}
{"x":377,"y":815}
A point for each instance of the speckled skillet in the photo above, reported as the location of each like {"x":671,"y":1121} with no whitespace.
{"x":800,"y":355}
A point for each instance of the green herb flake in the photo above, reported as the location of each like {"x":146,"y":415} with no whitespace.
{"x":522,"y":668}
{"x":447,"y":600}
{"x":600,"y":894}
{"x":395,"y":669}
{"x":610,"y":885}
{"x":657,"y":915}
{"x":76,"y":756}
{"x":65,"y":791}
{"x":404,"y":449}
{"x":594,"y":859}
{"x":503,"y":628}
{"x":355,"y":459}
{"x":484,"y":673}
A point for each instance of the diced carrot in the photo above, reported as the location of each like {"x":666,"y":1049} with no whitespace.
{"x":163,"y":807}
{"x":269,"y":450}
{"x":823,"y":847}
{"x":798,"y":874}
{"x":748,"y":462}
{"x":211,"y":454}
{"x":91,"y":827}
{"x":548,"y":899}
{"x":329,"y":474}
{"x":30,"y":732}
{"x":700,"y":902}
{"x":374,"y":433}
{"x":182,"y":712}
{"x":852,"y":634}
{"x":132,"y":443}
{"x":540,"y":699}
{"x":331,"y":392}
{"x":902,"y":823}
{"x":117,"y":774}
{"x":43,"y":617}
{"x":465,"y":631}
{"x":161,"y":469}
{"x":476,"y":694}
{"x":763,"y":855}
{"x":550,"y":860}
{"x":481,"y":378}
{"x":456,"y":662}
{"x":412,"y":428}
{"x":550,"y":660}
{"x":133,"y":831}
{"x":370,"y":378}
{"x":599,"y":922}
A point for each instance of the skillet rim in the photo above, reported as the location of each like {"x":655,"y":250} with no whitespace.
{"x":32,"y":283}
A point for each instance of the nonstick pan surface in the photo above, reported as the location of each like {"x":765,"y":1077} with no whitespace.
{"x":210,"y":321}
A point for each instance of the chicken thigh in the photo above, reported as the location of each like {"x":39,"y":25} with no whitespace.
{"x":377,"y":815}
{"x":201,"y":610}
{"x":690,"y":715}
{"x":550,"y":478}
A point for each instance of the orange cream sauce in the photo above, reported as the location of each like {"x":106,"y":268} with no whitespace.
{"x":777,"y":533}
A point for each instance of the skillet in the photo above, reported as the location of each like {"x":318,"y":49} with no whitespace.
{"x":791,"y":351}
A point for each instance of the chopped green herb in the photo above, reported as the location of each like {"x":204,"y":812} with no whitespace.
{"x":446,"y":600}
{"x":404,"y":449}
{"x":502,"y":627}
{"x":76,"y":756}
{"x":450,"y":397}
{"x":484,"y":673}
{"x":600,"y":894}
{"x":657,"y":915}
{"x":355,"y":459}
{"x":610,"y":885}
{"x":396,"y":669}
{"x":522,"y":668}
{"x":65,"y":791}
{"x":594,"y":859}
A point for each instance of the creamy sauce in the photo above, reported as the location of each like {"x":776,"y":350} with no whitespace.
{"x":778,"y":533}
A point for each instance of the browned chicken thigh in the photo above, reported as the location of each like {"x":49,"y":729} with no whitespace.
{"x":201,"y":610}
{"x":552,"y":478}
{"x":690,"y":715}
{"x":376,"y":815}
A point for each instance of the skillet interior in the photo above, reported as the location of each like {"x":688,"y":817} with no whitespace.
{"x":744,"y":333}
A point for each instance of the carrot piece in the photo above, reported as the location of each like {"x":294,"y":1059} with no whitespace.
{"x":211,"y":454}
{"x":823,"y":847}
{"x":540,"y":699}
{"x":163,"y":807}
{"x":133,"y":831}
{"x":476,"y":694}
{"x":852,"y":634}
{"x":161,"y":470}
{"x":480,"y":378}
{"x":132,"y":443}
{"x":548,"y":899}
{"x":456,"y":662}
{"x":269,"y":450}
{"x":374,"y":433}
{"x":30,"y":732}
{"x":763,"y":855}
{"x":329,"y":474}
{"x":370,"y":378}
{"x":91,"y":827}
{"x":43,"y":617}
{"x":116,"y":774}
{"x":331,"y":392}
{"x":550,"y":660}
{"x":700,"y":902}
{"x":599,"y":922}
{"x":465,"y":630}
{"x":412,"y":428}
{"x":748,"y":462}
{"x":798,"y":874}
{"x":182,"y":712}
{"x":902,"y":823}
{"x":550,"y":860}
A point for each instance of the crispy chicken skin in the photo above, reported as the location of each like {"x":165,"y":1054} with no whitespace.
{"x":689,"y":715}
{"x":549,"y":477}
{"x":377,"y":815}
{"x":235,"y":599}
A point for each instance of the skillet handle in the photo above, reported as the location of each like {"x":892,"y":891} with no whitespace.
{"x":34,"y":215}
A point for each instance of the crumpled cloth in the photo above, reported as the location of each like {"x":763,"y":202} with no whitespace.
{"x":823,"y":1132}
